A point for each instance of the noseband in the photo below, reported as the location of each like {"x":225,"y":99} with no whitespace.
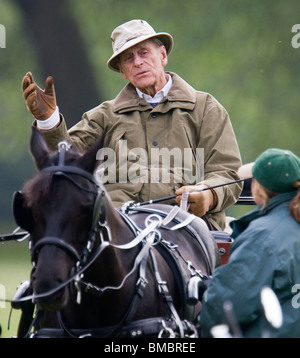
{"x":52,"y":240}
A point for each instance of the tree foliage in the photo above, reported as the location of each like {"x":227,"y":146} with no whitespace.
{"x":239,"y":51}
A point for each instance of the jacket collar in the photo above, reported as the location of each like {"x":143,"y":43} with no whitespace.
{"x":239,"y":225}
{"x":180,"y":95}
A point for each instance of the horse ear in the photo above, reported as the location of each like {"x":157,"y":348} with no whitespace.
{"x":21,"y":212}
{"x":39,"y":148}
{"x":89,"y":160}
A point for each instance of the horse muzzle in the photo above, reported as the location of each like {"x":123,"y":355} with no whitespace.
{"x":54,"y":260}
{"x":54,"y":302}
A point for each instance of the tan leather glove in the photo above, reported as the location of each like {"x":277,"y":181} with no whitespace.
{"x":199,"y":203}
{"x":40,"y":103}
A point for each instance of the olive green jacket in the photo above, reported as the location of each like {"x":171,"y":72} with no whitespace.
{"x":142,"y":138}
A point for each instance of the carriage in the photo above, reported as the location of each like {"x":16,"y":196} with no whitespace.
{"x":138,"y":271}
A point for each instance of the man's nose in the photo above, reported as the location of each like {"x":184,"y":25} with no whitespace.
{"x":137,"y":60}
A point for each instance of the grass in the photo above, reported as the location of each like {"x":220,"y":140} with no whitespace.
{"x":15,"y":267}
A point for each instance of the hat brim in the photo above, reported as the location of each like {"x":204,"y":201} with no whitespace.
{"x":245,"y":171}
{"x":166,"y":39}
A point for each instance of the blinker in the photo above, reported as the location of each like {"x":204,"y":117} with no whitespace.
{"x":22,"y":214}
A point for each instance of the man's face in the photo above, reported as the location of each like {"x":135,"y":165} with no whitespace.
{"x":143,"y":65}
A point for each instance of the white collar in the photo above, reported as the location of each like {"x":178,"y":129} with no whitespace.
{"x":159,"y":95}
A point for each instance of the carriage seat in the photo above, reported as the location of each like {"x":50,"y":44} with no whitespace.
{"x":223,"y":241}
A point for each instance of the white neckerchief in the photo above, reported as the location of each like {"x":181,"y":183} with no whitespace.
{"x":159,"y":95}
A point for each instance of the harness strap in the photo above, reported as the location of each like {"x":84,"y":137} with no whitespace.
{"x":163,"y":290}
{"x":15,"y":236}
{"x":102,"y":246}
{"x":149,"y":242}
{"x":61,"y":169}
{"x":148,"y":327}
{"x":139,"y":237}
{"x":184,"y":223}
{"x":172,"y":214}
{"x":49,"y":240}
{"x":138,"y":295}
{"x":184,"y":202}
{"x":139,"y":290}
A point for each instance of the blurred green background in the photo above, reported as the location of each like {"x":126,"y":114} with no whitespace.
{"x":239,"y":51}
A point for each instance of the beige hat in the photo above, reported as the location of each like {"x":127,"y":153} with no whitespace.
{"x":131,"y":33}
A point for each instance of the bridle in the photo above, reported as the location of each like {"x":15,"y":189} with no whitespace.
{"x":98,"y":211}
{"x":99,"y":228}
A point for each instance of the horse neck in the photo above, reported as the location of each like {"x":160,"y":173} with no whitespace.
{"x":114,"y":260}
{"x":120,"y":231}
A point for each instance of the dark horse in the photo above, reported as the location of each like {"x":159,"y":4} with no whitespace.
{"x":102,"y":272}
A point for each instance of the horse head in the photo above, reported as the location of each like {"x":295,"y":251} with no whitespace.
{"x":56,"y":207}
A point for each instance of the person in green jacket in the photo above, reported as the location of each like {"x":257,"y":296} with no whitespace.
{"x":265,"y":252}
{"x":163,"y":137}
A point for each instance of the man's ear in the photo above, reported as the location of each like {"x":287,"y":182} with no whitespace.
{"x":164,"y":56}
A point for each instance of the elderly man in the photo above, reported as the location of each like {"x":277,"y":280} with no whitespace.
{"x":156,"y":111}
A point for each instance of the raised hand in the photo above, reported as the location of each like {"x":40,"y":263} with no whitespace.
{"x":41,"y":103}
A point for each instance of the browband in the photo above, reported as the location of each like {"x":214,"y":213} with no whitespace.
{"x":71,"y":170}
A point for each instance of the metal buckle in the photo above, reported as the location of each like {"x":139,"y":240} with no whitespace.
{"x":126,"y":206}
{"x":166,"y":332}
{"x":153,"y":218}
{"x":64,"y":145}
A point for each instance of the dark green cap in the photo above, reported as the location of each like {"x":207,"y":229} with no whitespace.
{"x":277,"y":169}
